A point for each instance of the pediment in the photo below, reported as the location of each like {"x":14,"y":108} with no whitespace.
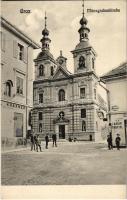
{"x":60,"y":73}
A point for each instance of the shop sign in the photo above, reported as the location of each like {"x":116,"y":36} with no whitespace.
{"x":117,"y":124}
{"x":115,"y":108}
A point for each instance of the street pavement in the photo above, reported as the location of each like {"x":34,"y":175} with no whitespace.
{"x":75,"y":163}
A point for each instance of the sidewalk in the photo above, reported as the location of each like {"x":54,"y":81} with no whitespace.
{"x":13,"y":150}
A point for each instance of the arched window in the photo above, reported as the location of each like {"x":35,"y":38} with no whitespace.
{"x":95,"y":93}
{"x":9,"y":85}
{"x":61,"y":95}
{"x":96,"y":126}
{"x":40,"y":127}
{"x":82,"y":35}
{"x":52,"y":71}
{"x":40,"y":97}
{"x":82,"y":62}
{"x":83,"y":125}
{"x":86,"y":35}
{"x":93,"y":63}
{"x":41,"y":70}
{"x":8,"y":89}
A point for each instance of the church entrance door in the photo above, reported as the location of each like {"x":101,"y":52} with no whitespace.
{"x":62,"y":131}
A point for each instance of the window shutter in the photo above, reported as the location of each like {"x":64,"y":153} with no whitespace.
{"x":25,"y":54}
{"x":3,"y":41}
{"x":15,"y":49}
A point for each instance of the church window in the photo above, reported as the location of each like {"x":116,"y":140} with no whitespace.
{"x":96,"y":126}
{"x":86,"y":35}
{"x":93,"y":63}
{"x":95,"y":93}
{"x":41,"y":70}
{"x":82,"y":35}
{"x":41,"y":98}
{"x":82,"y":62}
{"x":83,"y":125}
{"x":40,"y":127}
{"x":82,"y":93}
{"x":40,"y":115}
{"x":61,"y":95}
{"x":83,"y":113}
{"x":52,"y":71}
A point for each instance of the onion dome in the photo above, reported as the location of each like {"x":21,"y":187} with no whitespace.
{"x":83,"y":21}
{"x":45,"y":39}
{"x":45,"y":32}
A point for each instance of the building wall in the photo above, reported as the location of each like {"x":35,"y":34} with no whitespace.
{"x":118,"y":93}
{"x":11,"y":67}
{"x":118,"y":101}
{"x":72,"y":106}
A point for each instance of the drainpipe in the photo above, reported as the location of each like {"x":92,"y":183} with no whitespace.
{"x":72,"y":107}
{"x":27,"y":87}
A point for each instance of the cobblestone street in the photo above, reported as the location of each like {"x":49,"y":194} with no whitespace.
{"x":69,"y":164}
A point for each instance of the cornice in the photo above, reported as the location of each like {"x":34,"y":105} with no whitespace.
{"x":19,"y":33}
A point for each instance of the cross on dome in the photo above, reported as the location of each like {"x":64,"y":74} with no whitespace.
{"x":83,"y":8}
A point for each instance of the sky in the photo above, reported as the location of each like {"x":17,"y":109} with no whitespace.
{"x":107,"y":30}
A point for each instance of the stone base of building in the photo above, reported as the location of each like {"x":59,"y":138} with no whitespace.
{"x":11,"y":143}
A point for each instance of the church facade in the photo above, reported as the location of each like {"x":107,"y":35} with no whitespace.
{"x":65,"y":103}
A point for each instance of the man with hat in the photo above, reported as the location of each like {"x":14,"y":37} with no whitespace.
{"x":117,"y":140}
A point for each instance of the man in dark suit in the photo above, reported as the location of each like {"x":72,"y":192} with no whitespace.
{"x":32,"y":141}
{"x":117,"y":140}
{"x":54,"y":138}
{"x":47,"y":141}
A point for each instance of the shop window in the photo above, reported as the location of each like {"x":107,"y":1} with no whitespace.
{"x":18,"y":124}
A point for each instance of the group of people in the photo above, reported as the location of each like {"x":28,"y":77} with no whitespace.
{"x":117,"y":141}
{"x":36,"y":143}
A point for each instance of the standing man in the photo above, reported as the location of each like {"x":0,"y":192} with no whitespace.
{"x":54,"y":138}
{"x":109,"y":142}
{"x":32,"y":141}
{"x":110,"y":134}
{"x":117,"y":140}
{"x":37,"y":142}
{"x":47,"y":141}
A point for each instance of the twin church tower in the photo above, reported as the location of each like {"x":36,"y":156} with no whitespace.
{"x":67,"y":103}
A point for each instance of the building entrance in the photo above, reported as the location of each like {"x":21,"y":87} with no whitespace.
{"x":18,"y":124}
{"x":62,"y":131}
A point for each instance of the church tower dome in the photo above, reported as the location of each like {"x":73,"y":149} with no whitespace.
{"x":45,"y":64}
{"x":83,"y":54}
{"x":45,"y":39}
{"x":84,"y":30}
